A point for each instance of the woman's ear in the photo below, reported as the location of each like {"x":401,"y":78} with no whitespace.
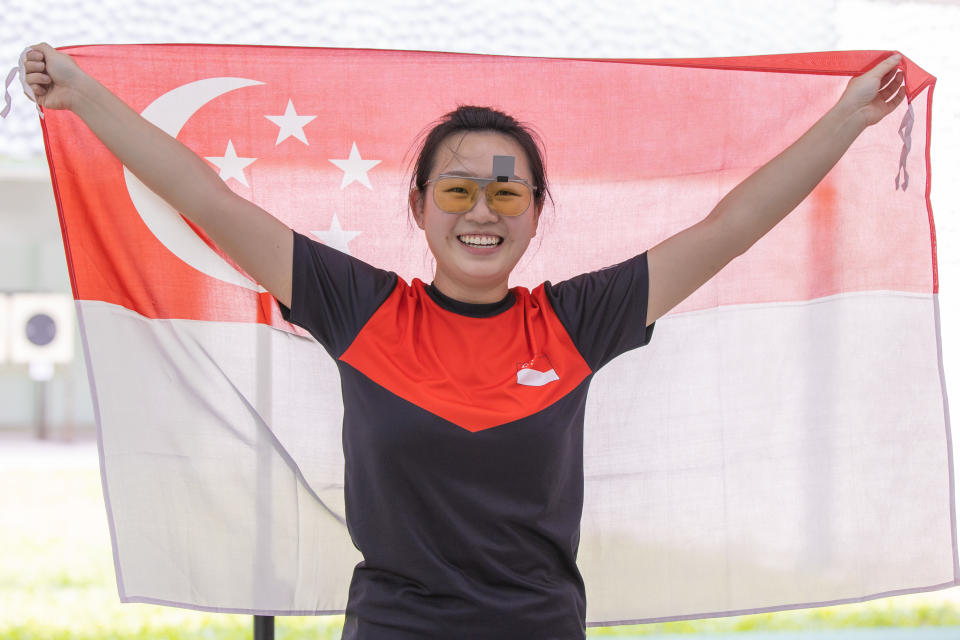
{"x":536,"y":220}
{"x":416,"y":206}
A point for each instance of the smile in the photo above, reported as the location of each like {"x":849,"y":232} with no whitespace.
{"x":477,"y":240}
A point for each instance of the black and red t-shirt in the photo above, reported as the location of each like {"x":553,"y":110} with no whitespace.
{"x":463,"y":441}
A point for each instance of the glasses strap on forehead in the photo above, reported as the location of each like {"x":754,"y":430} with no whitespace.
{"x":503,"y":168}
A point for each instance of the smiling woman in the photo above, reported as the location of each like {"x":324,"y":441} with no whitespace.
{"x":477,"y":248}
{"x":481,"y":247}
{"x":464,"y":400}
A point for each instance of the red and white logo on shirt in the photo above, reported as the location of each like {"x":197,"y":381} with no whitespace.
{"x":536,"y":372}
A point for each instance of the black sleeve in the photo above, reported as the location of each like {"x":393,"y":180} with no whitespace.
{"x":605,"y":311}
{"x":333,"y":294}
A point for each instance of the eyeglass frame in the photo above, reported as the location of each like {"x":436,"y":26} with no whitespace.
{"x":482,"y":183}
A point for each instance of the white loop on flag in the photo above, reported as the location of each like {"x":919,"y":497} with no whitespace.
{"x":906,"y":126}
{"x":20,"y":70}
{"x":6,"y":92}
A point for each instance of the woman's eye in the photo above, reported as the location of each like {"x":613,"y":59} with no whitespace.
{"x":455,"y":190}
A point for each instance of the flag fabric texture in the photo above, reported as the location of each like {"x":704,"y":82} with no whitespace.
{"x":783,"y":441}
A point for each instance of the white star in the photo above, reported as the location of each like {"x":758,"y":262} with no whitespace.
{"x":232,"y":166}
{"x":336,"y":237}
{"x":355,"y":168}
{"x":291,"y":124}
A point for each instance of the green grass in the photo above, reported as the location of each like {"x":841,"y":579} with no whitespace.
{"x":57,"y":582}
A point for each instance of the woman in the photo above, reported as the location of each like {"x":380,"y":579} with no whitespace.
{"x":463,"y":399}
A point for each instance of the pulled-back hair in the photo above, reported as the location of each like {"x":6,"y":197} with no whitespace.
{"x":466,"y":118}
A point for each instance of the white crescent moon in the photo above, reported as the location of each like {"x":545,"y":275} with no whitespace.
{"x":170,"y":112}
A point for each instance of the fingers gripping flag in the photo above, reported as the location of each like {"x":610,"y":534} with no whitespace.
{"x":783,"y":441}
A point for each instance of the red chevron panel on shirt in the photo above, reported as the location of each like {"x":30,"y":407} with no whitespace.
{"x":465,"y":370}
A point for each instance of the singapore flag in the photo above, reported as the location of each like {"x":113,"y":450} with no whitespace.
{"x":783,"y":441}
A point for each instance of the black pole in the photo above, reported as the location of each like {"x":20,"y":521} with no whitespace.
{"x":265,"y":580}
{"x":262,"y":627}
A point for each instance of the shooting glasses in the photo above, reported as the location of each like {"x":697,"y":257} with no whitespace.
{"x":505,"y":193}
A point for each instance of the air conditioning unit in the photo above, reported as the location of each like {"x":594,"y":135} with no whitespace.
{"x":41,"y":328}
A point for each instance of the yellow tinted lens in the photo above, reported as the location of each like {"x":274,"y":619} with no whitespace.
{"x":455,"y":195}
{"x":508,"y":198}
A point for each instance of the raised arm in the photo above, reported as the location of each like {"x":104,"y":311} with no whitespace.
{"x":683,"y":262}
{"x":254,"y":239}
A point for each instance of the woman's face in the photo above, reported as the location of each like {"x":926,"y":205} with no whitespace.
{"x":464,"y":272}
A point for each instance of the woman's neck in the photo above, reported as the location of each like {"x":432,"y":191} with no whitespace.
{"x":470,"y":294}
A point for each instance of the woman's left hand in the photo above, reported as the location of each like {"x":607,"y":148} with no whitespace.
{"x":868,"y":95}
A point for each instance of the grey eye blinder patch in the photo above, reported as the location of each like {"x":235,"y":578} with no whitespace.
{"x":503,"y":167}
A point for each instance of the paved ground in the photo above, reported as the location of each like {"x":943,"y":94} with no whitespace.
{"x":21,"y":450}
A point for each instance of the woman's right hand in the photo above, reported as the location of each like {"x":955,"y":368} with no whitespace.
{"x":53,"y":76}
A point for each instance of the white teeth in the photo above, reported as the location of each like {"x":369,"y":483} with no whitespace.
{"x":479,"y":241}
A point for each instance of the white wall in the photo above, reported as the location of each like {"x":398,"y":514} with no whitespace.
{"x":30,"y":253}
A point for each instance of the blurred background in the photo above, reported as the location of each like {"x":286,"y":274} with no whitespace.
{"x":56,"y":575}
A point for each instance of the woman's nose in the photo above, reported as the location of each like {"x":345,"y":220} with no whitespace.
{"x":481,"y":213}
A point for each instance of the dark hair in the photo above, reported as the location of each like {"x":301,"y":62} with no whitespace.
{"x":467,"y":118}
